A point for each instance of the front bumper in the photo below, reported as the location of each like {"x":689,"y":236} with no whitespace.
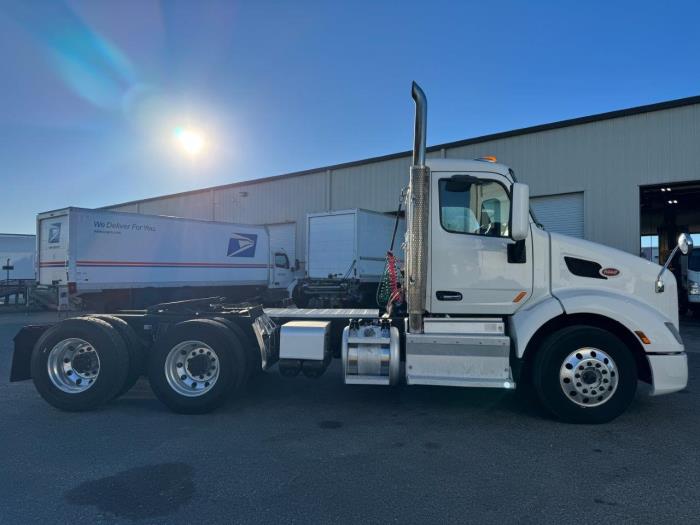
{"x":669,"y":372}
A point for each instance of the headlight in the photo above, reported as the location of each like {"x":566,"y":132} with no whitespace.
{"x":693,"y":288}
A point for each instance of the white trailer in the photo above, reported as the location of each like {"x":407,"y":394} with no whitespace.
{"x":127,"y":257}
{"x":17,"y":256}
{"x":493,"y":300}
{"x":346,"y":256}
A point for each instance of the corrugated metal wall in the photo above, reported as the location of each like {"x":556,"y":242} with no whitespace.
{"x":606,"y":160}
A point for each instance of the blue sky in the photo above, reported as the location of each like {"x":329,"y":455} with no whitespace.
{"x":92,"y":90}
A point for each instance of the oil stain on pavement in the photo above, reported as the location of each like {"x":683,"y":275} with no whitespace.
{"x":138,"y":493}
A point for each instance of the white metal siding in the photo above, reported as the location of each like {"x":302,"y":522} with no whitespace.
{"x":560,"y":213}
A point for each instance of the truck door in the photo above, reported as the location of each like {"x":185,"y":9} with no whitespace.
{"x":472,"y":269}
{"x":281,"y":271}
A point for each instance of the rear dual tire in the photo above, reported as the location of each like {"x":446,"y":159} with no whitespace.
{"x":135,"y":346}
{"x":196,"y":365}
{"x":80,"y":364}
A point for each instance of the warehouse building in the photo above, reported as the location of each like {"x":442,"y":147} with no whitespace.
{"x":629,"y":179}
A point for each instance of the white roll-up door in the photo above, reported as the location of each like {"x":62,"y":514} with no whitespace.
{"x":560,"y":213}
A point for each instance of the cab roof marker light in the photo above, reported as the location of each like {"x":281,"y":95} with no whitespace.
{"x":488,"y":158}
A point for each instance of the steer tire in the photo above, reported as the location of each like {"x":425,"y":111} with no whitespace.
{"x":230,"y":361}
{"x":113,"y":365}
{"x":565,"y":346}
{"x":135,"y":346}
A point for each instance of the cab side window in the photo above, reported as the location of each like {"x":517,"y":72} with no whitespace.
{"x":281,"y":260}
{"x":473,"y":206}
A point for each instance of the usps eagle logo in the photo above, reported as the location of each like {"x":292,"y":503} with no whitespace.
{"x":242,"y":245}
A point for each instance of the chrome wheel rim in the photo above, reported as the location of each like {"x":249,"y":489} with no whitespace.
{"x":73,"y":365}
{"x":588,"y":377}
{"x":192,"y":368}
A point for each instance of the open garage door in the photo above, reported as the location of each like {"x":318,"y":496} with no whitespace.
{"x":665,"y":211}
{"x":560,"y":213}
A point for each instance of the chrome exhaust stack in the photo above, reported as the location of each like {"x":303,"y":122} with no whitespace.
{"x":417,"y":217}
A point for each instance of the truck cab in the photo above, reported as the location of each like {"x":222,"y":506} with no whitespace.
{"x":534,"y":287}
{"x":281,"y":271}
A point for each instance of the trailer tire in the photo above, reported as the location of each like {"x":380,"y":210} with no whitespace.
{"x":179,"y":366}
{"x":79,"y":364}
{"x":135,"y":346}
{"x":584,"y":374}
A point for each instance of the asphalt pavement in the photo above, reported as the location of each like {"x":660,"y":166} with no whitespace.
{"x":317,"y":451}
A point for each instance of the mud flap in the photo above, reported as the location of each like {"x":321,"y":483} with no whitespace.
{"x":25,"y":340}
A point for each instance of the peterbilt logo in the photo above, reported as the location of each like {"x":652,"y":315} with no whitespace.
{"x":55,"y":233}
{"x":610,"y":272}
{"x":242,"y":245}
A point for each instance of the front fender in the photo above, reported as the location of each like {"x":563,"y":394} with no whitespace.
{"x":626,"y":310}
{"x":526,"y":321}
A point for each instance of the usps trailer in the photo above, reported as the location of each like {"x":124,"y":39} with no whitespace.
{"x":346,"y":255}
{"x":125,"y":260}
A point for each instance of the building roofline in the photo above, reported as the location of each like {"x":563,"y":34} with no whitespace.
{"x":598,"y":117}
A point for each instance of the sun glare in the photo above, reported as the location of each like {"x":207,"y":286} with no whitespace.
{"x":189,"y":140}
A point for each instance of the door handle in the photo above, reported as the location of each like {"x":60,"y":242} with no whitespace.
{"x":446,"y":295}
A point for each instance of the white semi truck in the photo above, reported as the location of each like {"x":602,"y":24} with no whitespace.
{"x":493,"y":301}
{"x":120,"y":260}
{"x":346,"y":253}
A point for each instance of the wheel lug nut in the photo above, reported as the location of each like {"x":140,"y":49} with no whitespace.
{"x":179,"y":365}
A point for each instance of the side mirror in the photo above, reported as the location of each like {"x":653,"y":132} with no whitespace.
{"x":520,"y":212}
{"x":685,"y":243}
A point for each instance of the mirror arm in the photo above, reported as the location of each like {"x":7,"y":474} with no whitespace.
{"x":659,"y":285}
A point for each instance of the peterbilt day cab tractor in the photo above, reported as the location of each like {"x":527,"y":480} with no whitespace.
{"x":493,"y":300}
